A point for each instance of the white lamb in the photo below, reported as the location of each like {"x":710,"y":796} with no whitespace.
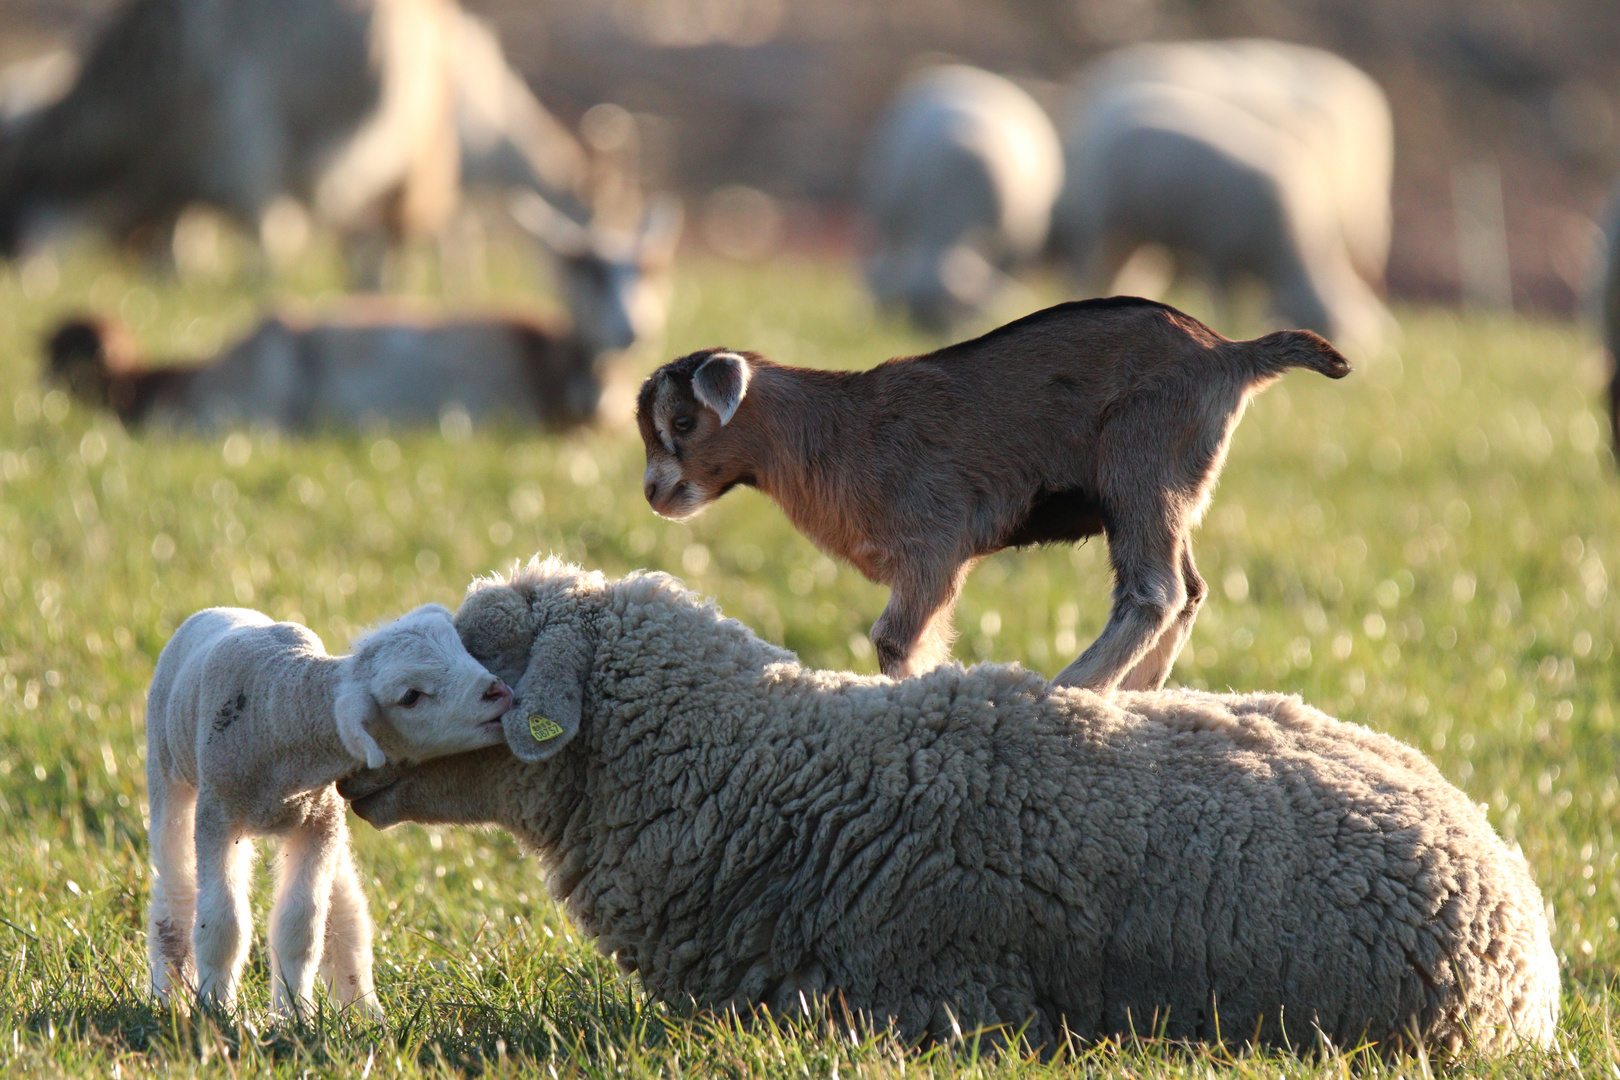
{"x":249,"y":723}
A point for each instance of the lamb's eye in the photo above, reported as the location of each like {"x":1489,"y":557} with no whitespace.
{"x":410,"y":698}
{"x":683,"y":424}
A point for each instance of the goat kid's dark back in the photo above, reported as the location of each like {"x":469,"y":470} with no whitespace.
{"x":1100,"y":416}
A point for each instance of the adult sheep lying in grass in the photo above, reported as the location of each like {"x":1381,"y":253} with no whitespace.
{"x":248,"y":724}
{"x":979,"y":846}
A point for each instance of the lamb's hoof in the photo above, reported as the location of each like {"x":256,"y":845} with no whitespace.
{"x":365,"y":1009}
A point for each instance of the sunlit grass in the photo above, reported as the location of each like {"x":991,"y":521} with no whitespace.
{"x":1424,"y":547}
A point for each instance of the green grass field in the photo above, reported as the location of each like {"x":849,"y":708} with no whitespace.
{"x":1424,"y":548}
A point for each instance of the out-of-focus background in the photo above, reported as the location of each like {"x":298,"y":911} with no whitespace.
{"x":324,"y":307}
{"x":780,"y":94}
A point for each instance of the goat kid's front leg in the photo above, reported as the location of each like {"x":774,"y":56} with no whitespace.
{"x":346,"y":958}
{"x":1148,"y":593}
{"x":220,"y":938}
{"x":1151,"y":671}
{"x":305,"y":870}
{"x":913,"y":634}
{"x":174,"y":888}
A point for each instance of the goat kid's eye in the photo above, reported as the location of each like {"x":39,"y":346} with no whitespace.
{"x":410,"y":698}
{"x":683,"y":424}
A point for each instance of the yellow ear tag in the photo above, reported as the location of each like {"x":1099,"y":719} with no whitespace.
{"x":543,"y":729}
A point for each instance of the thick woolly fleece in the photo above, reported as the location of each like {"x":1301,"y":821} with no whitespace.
{"x":981,"y":846}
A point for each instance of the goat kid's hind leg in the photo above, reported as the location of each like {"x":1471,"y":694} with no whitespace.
{"x":346,"y":958}
{"x":1151,"y":671}
{"x":913,"y":633}
{"x":220,"y":938}
{"x":1148,"y":592}
{"x":306,"y":866}
{"x":174,"y":888}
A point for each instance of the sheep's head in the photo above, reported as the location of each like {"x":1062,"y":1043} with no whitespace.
{"x":534,"y":627}
{"x":684,"y":410}
{"x":411,"y":691}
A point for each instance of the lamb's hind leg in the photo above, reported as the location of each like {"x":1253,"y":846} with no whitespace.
{"x":913,"y":633}
{"x":305,"y":870}
{"x":174,"y":887}
{"x":220,"y":938}
{"x":1151,"y":671}
{"x":1148,"y":592}
{"x":346,"y":958}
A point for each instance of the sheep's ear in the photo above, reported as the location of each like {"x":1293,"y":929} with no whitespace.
{"x":720,"y":383}
{"x":354,"y":706}
{"x":545,"y":714}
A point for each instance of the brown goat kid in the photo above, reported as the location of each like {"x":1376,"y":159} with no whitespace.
{"x":1100,"y":416}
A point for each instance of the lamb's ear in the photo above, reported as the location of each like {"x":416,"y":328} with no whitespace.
{"x":548,"y":700}
{"x":720,"y":383}
{"x":354,"y":706}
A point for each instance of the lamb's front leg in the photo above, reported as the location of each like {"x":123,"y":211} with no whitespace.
{"x":220,"y":938}
{"x":305,"y":870}
{"x":174,"y":886}
{"x":346,"y":959}
{"x":913,"y":635}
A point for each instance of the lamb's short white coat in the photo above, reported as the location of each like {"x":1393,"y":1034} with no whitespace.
{"x":249,"y":723}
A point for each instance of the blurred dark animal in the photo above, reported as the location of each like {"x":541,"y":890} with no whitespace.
{"x":1244,"y":158}
{"x":365,"y":364}
{"x":958,"y":185}
{"x":1099,"y":416}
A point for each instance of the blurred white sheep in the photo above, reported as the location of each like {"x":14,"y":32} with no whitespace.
{"x":1241,"y":157}
{"x":957,"y":187}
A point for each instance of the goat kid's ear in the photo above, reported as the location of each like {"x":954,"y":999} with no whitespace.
{"x":354,"y":706}
{"x":720,"y":383}
{"x":549,"y":699}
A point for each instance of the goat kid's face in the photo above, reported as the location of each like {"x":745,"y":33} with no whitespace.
{"x":415,"y":693}
{"x":683,"y":411}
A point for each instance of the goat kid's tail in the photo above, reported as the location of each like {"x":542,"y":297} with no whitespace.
{"x":1276,"y":353}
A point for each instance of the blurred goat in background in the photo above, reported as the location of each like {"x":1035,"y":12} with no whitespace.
{"x":1242,"y":158}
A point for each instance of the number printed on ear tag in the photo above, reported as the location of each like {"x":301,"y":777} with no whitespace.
{"x":543,"y":729}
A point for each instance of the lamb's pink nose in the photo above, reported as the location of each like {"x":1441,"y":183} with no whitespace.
{"x":499,"y":691}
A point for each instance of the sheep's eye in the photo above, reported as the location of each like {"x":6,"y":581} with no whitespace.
{"x":411,"y":698}
{"x":683,"y":424}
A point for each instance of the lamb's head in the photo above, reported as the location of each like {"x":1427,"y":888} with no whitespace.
{"x":411,"y":691}
{"x":694,"y":452}
{"x":537,"y":626}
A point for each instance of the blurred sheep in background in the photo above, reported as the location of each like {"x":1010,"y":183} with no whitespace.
{"x":958,"y":184}
{"x":1241,"y":158}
